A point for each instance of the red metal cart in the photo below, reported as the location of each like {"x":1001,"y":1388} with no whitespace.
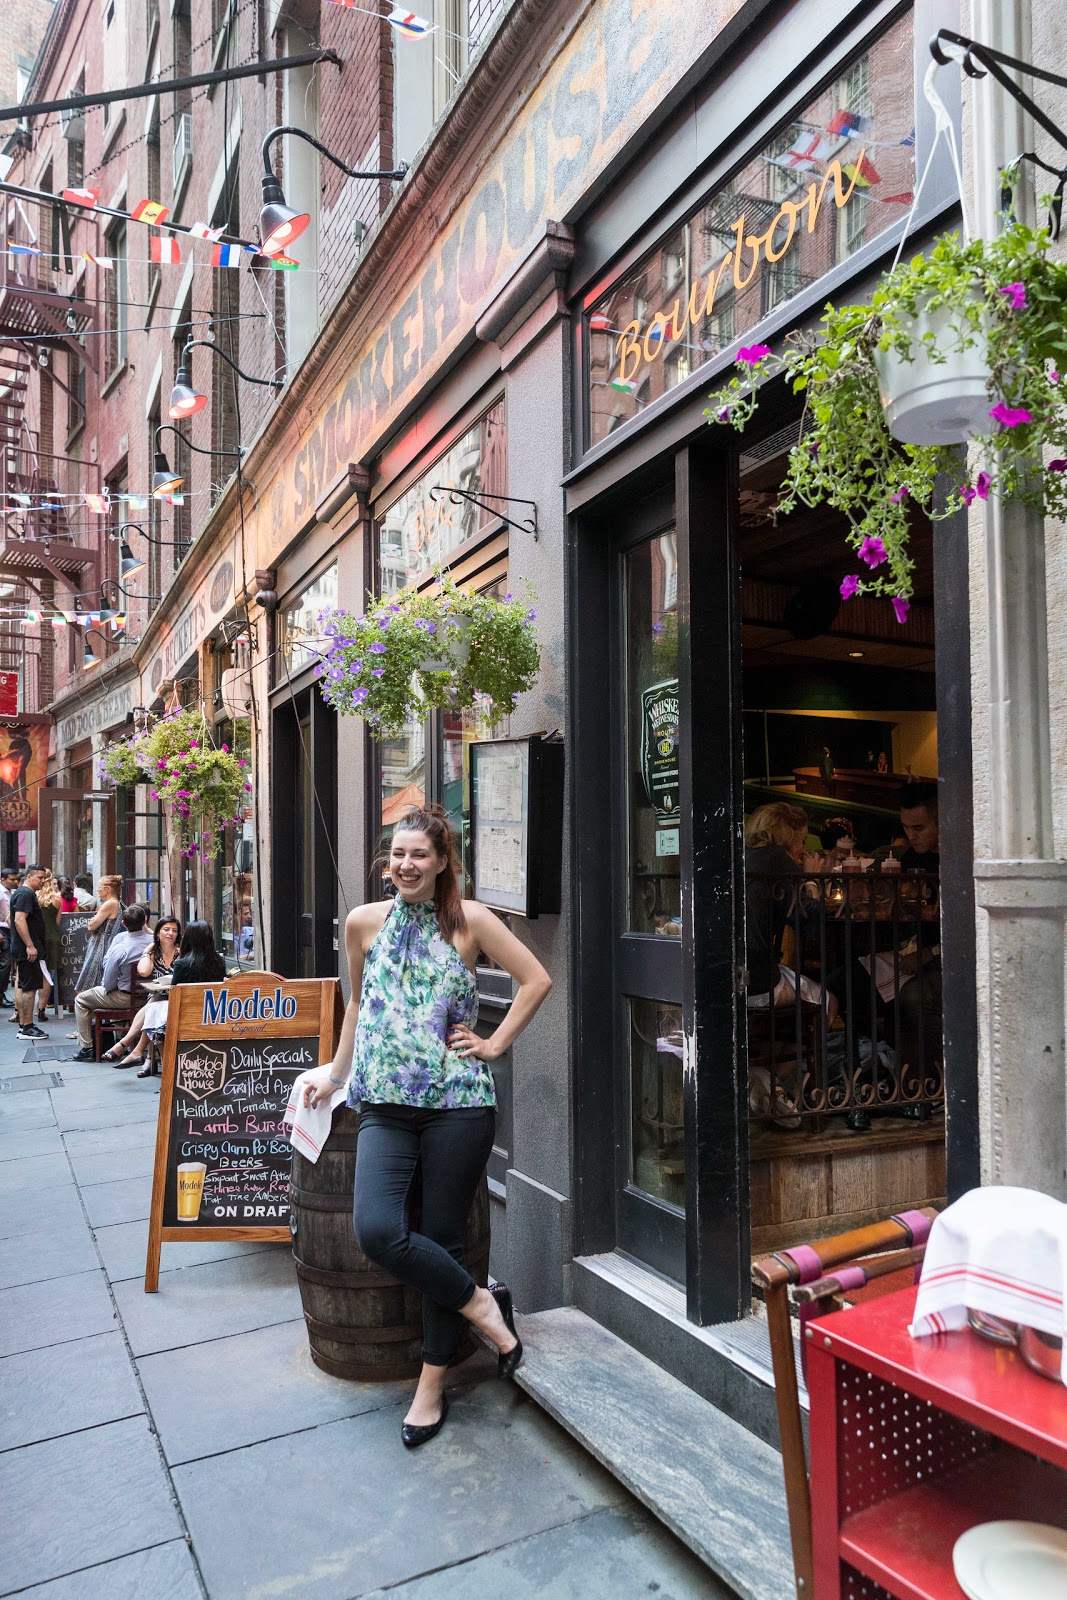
{"x":913,"y":1441}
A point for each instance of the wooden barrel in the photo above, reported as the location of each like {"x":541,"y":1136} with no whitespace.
{"x":361,"y":1322}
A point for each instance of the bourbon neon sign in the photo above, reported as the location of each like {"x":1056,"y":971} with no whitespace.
{"x":634,"y":349}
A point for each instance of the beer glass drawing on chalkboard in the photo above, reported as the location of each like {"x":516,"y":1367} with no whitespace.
{"x":190,"y":1189}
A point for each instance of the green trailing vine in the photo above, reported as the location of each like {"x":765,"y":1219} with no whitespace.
{"x":206,"y":787}
{"x":1006,"y":294}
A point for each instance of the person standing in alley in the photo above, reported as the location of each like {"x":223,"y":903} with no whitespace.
{"x":9,"y":882}
{"x":419,"y":1075}
{"x":27,"y":927}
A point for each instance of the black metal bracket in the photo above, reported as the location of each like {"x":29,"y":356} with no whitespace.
{"x":977,"y":60}
{"x":457,"y":496}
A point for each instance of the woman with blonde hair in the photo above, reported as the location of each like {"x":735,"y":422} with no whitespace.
{"x":775,"y":857}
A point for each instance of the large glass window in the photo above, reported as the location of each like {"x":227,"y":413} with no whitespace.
{"x":422,"y":529}
{"x":300,"y":622}
{"x":651,"y":654}
{"x":762,"y":237}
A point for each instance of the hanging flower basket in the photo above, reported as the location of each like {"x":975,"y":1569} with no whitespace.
{"x":441,"y":648}
{"x":205,"y":788}
{"x":121,"y":764}
{"x":963,"y":342}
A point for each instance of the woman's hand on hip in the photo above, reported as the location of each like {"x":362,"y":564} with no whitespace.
{"x":465,"y":1042}
{"x":318,"y":1086}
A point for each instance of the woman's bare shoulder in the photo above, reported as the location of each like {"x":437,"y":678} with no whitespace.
{"x":367,"y":919}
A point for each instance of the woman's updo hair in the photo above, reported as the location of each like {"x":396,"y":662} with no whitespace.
{"x":432,"y":821}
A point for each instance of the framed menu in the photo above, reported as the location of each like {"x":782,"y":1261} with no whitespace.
{"x":232,"y":1052}
{"x":517,"y":824}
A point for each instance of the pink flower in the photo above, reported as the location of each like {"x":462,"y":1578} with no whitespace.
{"x":1015,"y":293}
{"x":901,"y":495}
{"x":873,"y":551}
{"x":1053,"y":375}
{"x":1010,"y":416}
{"x":901,"y":607}
{"x":1059,"y":465}
{"x":750,"y":355}
{"x":849,"y":586}
{"x":982,"y":485}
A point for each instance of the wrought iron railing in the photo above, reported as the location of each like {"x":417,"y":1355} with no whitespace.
{"x":852,"y":1025}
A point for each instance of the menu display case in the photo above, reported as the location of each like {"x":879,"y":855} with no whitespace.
{"x":517,"y":824}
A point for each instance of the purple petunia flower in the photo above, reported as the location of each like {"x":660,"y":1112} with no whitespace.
{"x":378,"y":648}
{"x":750,"y":355}
{"x":359,"y":695}
{"x":723,"y":414}
{"x":873,"y":551}
{"x":1009,"y":416}
{"x":657,"y":627}
{"x":336,"y":674}
{"x":431,"y":627}
{"x":1059,"y":465}
{"x":901,"y":495}
{"x":982,"y":485}
{"x":383,"y":622}
{"x":531,"y":616}
{"x":849,"y":586}
{"x":1015,"y":294}
{"x":901,"y":607}
{"x":377,"y":672}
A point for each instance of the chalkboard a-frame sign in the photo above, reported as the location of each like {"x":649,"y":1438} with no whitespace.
{"x":222,"y":1159}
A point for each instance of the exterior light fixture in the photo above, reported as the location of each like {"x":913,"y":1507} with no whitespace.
{"x":164,"y":481}
{"x":184,"y":399}
{"x":128,"y":562}
{"x":279,"y":224}
{"x":89,"y":657}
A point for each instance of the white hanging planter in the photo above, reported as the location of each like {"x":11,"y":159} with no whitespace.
{"x":936,"y":402}
{"x":459,"y":647}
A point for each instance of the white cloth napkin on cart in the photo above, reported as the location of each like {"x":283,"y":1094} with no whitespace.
{"x":998,"y":1250}
{"x":311,"y":1124}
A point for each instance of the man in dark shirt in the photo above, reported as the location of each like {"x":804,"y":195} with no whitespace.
{"x":918,"y":818}
{"x":27,"y":947}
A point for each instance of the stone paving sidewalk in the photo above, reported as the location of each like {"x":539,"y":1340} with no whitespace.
{"x":182,"y":1445}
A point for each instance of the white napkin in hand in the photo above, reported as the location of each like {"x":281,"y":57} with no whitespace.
{"x":311,"y":1124}
{"x":1000,"y":1250}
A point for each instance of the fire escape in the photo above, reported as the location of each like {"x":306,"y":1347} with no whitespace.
{"x":42,"y":505}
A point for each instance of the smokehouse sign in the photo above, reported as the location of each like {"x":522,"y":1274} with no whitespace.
{"x":222,"y":1159}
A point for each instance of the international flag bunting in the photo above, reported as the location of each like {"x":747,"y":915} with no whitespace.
{"x":32,"y":616}
{"x":806,"y":151}
{"x":408,"y":25}
{"x":58,"y":622}
{"x":173,"y":499}
{"x":118,"y":624}
{"x":150,"y":211}
{"x":81,"y":197}
{"x":226,"y":255}
{"x":861,"y":173}
{"x":22,"y":249}
{"x":848,"y":122}
{"x":23,"y":499}
{"x":200,"y":230}
{"x":283,"y":263}
{"x":600,"y":323}
{"x":164,"y":251}
{"x":106,"y":262}
{"x":137,"y":502}
{"x":97,"y":503}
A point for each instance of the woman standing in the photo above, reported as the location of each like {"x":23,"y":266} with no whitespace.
{"x":49,"y":900}
{"x":419,"y":1075}
{"x":101,"y":929}
{"x":68,"y":900}
{"x":156,"y":963}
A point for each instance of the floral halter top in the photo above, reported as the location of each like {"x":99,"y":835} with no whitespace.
{"x":416,"y":988}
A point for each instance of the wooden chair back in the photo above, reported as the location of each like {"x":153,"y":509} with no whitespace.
{"x":819,"y":1274}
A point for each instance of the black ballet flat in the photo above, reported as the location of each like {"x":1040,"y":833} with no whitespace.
{"x":507,"y":1364}
{"x":413,"y":1436}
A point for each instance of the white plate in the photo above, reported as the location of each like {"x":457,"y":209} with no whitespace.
{"x":1012,"y":1561}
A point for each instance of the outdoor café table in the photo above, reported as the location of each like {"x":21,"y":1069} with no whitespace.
{"x":913,"y":1441}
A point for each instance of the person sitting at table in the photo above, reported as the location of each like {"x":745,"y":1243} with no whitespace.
{"x":838,"y":839}
{"x":775,"y":858}
{"x":157,"y":963}
{"x":919,"y":997}
{"x":118,"y":981}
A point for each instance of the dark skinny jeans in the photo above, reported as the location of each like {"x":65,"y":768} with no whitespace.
{"x":452,"y":1148}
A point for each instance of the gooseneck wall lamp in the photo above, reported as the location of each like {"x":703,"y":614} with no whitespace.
{"x":279,"y":224}
{"x":115,"y":597}
{"x":184,"y":399}
{"x":89,"y":656}
{"x":164,"y":481}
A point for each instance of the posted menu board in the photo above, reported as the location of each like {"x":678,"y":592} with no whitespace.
{"x":73,"y":937}
{"x":232,"y":1052}
{"x":516,"y":826}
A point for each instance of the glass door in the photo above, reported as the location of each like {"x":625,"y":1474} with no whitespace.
{"x":647,"y":955}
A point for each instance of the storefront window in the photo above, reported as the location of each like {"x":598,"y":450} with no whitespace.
{"x":651,"y":654}
{"x":300,"y":622}
{"x":829,"y":180}
{"x":140,"y":848}
{"x":419,"y":532}
{"x":656,"y":1100}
